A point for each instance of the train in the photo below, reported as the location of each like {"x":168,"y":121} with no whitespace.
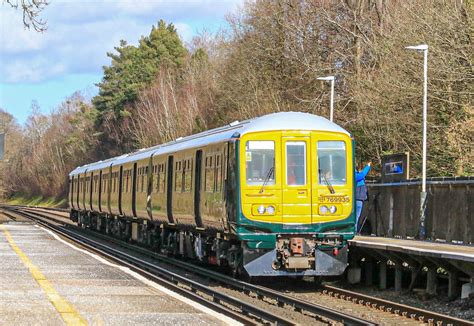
{"x":269,"y":196}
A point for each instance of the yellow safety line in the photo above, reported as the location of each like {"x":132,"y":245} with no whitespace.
{"x":62,"y":306}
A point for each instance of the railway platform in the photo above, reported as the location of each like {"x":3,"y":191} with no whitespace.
{"x":45,"y":280}
{"x":437,"y":250}
{"x":433,"y":258}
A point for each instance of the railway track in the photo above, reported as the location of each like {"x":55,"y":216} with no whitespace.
{"x":6,"y":216}
{"x":369,"y":303}
{"x":424,"y":316}
{"x":216,"y":299}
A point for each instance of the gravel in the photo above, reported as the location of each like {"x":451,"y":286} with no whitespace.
{"x":459,"y":308}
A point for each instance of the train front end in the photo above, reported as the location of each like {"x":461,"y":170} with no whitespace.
{"x":296,"y":198}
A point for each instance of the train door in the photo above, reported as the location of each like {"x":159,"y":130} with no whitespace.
{"x":332,"y":185}
{"x":89,"y":188}
{"x":83,"y":191}
{"x":109,"y":188}
{"x":197,"y":188}
{"x":296,"y":192}
{"x":134,"y":190}
{"x":120,"y":181}
{"x":78,"y":192}
{"x":71,"y":192}
{"x":169,"y":190}
{"x":149,"y":186}
{"x":99,"y":202}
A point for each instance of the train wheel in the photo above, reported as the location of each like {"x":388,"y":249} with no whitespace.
{"x":318,"y":280}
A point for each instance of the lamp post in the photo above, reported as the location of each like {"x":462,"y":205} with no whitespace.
{"x":331,"y":79}
{"x":424,"y":48}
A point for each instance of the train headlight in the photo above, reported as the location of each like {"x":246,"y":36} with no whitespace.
{"x":333,"y":209}
{"x":261,"y":209}
{"x":271,"y":210}
{"x":323,"y":209}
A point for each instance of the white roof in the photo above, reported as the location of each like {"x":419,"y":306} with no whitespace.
{"x":270,"y":122}
{"x":292,"y":121}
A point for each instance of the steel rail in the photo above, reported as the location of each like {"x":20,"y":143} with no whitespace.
{"x":393,"y":307}
{"x":9,"y":215}
{"x":281,"y":298}
{"x":218,"y":302}
{"x":65,"y":210}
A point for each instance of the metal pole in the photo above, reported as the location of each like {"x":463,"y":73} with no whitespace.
{"x":423,"y":194}
{"x":425,"y":118}
{"x":331,"y":115}
{"x":331,"y":79}
{"x":425,"y":114}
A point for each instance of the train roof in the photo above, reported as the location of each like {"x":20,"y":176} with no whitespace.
{"x":269,"y":122}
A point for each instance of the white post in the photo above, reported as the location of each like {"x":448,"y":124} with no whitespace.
{"x":331,"y":116}
{"x":425,"y":114}
{"x":331,"y":79}
{"x":423,"y":194}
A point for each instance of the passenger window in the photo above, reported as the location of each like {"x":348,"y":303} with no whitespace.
{"x":163,"y":182}
{"x":260,"y":162}
{"x":296,"y":163}
{"x":332,"y":162}
{"x":218,"y":173}
{"x":188,"y":176}
{"x":209,"y":175}
{"x":126,"y":184}
{"x":157,"y":171}
{"x":178,"y":178}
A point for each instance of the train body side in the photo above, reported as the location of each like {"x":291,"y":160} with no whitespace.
{"x":160,"y":188}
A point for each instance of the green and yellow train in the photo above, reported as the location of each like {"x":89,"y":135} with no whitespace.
{"x":271,"y":196}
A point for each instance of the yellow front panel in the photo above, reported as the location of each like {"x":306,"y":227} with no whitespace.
{"x":252,"y":191}
{"x":299,"y":201}
{"x":343,"y":193}
{"x":296,"y":191}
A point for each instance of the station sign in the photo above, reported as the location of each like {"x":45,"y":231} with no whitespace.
{"x":396,"y":167}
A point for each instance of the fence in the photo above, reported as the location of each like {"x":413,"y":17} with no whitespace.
{"x":393,"y":209}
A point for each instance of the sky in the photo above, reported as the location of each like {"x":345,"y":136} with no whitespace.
{"x":47,"y":67}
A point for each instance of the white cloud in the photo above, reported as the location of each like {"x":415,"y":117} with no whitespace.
{"x":184,"y":30}
{"x":13,"y":37}
{"x":80,"y":33}
{"x":33,"y":70}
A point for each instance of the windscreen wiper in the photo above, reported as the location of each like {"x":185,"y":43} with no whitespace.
{"x":326,"y":181}
{"x":267,"y":178}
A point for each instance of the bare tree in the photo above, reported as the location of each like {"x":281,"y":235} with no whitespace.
{"x":277,"y":48}
{"x":31,"y":10}
{"x":179,"y":102}
{"x":49,"y":147}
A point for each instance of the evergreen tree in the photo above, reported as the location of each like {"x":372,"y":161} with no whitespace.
{"x":132,"y":69}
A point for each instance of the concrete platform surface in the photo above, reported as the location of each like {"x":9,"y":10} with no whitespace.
{"x":47,"y":281}
{"x":415,"y":247}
